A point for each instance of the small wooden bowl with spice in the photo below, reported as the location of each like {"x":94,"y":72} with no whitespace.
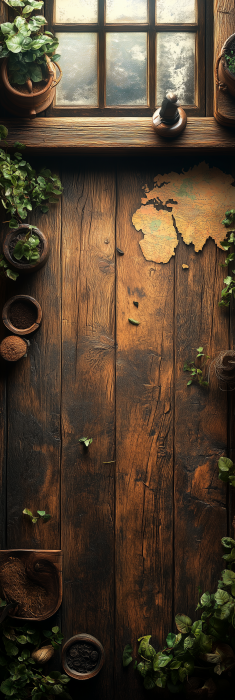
{"x":22,"y":314}
{"x":32,"y":581}
{"x":19,"y":236}
{"x":82,"y":657}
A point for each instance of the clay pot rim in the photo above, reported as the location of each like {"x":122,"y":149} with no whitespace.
{"x":224,"y":48}
{"x":39,"y":552}
{"x":30,"y":95}
{"x":9,"y":325}
{"x":17,"y":264}
{"x":86,"y":638}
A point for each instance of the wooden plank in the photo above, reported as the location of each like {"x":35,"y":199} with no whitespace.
{"x":224,"y":26}
{"x":5,"y":285}
{"x":144,"y":406}
{"x":116,"y":135}
{"x":88,"y":405}
{"x":34,"y":407}
{"x":200,"y":426}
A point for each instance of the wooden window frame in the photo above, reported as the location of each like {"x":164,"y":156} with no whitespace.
{"x":203,"y":28}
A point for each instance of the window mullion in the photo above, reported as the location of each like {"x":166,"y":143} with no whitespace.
{"x":101,"y":54}
{"x":151,"y":55}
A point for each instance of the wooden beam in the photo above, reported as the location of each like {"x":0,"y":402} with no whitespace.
{"x":112,"y":135}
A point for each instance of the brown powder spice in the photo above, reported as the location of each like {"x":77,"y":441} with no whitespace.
{"x":16,"y":586}
{"x":13,"y":348}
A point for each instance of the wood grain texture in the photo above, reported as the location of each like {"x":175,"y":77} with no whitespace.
{"x":144,"y":439}
{"x":200,"y":427}
{"x":33,"y":459}
{"x":4,"y":286}
{"x":115,"y":135}
{"x":224,"y":26}
{"x":88,"y":409}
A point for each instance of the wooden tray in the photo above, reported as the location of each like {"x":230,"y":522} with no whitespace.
{"x":48,"y":572}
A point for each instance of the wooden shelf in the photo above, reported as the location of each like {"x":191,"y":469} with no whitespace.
{"x":224,"y":26}
{"x":116,"y":136}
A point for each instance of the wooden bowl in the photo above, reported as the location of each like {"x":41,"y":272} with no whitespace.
{"x":24,"y":267}
{"x":43,"y":566}
{"x":6,"y":315}
{"x":83,"y":638}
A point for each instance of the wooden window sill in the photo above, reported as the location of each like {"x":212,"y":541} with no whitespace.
{"x":112,"y":135}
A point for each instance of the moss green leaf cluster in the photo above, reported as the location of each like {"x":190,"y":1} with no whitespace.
{"x":205,"y":647}
{"x":229,"y":290}
{"x":196,"y":373}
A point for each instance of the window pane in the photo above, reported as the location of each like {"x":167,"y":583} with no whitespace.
{"x":126,"y":68}
{"x":175,"y":11}
{"x":126,"y":11}
{"x":76,"y":11}
{"x":176,"y":65}
{"x":79,"y":66}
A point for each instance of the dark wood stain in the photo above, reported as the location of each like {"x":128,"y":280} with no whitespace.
{"x":139,"y":528}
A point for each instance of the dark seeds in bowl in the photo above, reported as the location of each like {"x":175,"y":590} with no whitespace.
{"x":82,"y":657}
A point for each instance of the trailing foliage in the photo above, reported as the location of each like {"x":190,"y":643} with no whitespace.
{"x":226,"y":470}
{"x":23,"y":43}
{"x":5,"y":269}
{"x":207,"y":645}
{"x":20,"y":676}
{"x":86,"y":441}
{"x":197,"y":372}
{"x":229,"y":290}
{"x":21,"y":189}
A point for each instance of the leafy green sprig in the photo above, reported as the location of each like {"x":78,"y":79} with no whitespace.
{"x":23,"y":43}
{"x":27,"y":247}
{"x":226,"y":470}
{"x":197,"y":372}
{"x":34,"y":518}
{"x":19,"y":674}
{"x":206,"y":645}
{"x":231,"y":61}
{"x":86,"y":441}
{"x":21,"y":189}
{"x":229,"y":290}
{"x":5,"y":269}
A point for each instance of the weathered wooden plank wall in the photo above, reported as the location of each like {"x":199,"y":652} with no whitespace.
{"x":139,"y":535}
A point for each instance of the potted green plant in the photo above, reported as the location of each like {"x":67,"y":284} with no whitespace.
{"x":225,"y":66}
{"x":25,"y":248}
{"x":28,"y":74}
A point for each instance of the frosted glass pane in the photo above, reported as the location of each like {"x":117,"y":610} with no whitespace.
{"x":79,"y":66}
{"x":126,"y":68}
{"x":175,"y":11}
{"x":176,"y":65}
{"x":76,"y":11}
{"x":126,"y":11}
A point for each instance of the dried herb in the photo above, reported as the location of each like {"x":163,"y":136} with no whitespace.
{"x":135,"y":323}
{"x":119,"y":251}
{"x":86,"y":441}
{"x":20,"y":676}
{"x":206,"y":645}
{"x":34,"y":518}
{"x":197,"y":372}
{"x":136,"y":303}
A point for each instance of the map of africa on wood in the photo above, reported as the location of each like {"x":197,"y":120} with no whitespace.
{"x":192,"y":202}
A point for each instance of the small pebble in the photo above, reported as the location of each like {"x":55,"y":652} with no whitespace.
{"x":136,"y":303}
{"x":119,"y":251}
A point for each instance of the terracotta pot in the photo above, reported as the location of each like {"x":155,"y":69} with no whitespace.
{"x":225,"y":80}
{"x":28,"y":105}
{"x":83,"y":638}
{"x":19,"y":265}
{"x":7,"y":310}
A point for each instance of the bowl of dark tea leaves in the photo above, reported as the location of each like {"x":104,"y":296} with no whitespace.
{"x":82,"y":656}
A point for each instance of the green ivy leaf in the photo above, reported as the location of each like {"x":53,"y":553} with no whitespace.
{"x":183,"y":623}
{"x":127,"y":655}
{"x":170,"y":640}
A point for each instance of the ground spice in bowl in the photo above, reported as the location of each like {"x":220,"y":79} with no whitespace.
{"x":22,"y":314}
{"x":13,"y":348}
{"x":82,"y":657}
{"x":16,"y":587}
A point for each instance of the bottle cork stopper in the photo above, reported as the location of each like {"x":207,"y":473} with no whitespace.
{"x":13,"y":348}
